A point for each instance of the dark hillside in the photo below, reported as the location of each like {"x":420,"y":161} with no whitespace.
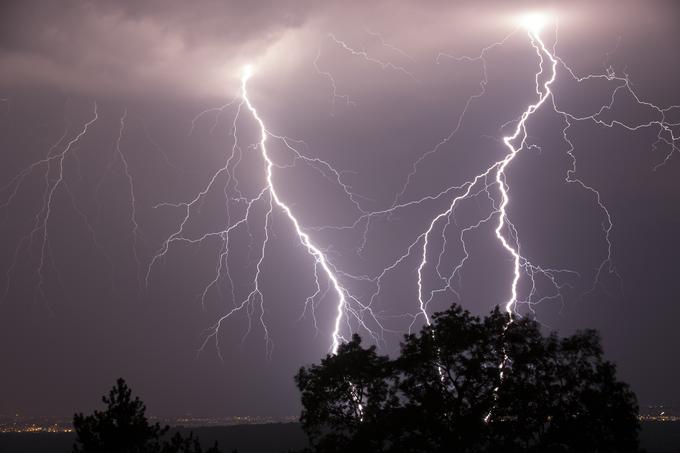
{"x":655,"y":437}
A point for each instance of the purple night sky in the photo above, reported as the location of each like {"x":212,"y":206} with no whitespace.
{"x":140,"y":236}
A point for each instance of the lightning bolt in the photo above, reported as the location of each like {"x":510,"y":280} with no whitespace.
{"x":317,"y":254}
{"x":490,"y":184}
{"x":322,"y":265}
{"x":269,"y":195}
{"x":427,"y":253}
{"x":520,"y":132}
{"x":53,"y":162}
{"x":492,"y":178}
{"x":362,"y":54}
{"x":131,"y":191}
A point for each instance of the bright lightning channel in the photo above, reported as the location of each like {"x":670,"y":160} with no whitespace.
{"x":314,"y":251}
{"x":497,"y":169}
{"x":534,"y":26}
{"x":270,"y":197}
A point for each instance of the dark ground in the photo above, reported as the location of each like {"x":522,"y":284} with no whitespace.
{"x":273,"y":438}
{"x":657,"y":437}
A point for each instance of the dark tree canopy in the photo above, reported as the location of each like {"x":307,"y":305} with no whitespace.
{"x":124,"y":428}
{"x":349,"y":393}
{"x":466,"y":384}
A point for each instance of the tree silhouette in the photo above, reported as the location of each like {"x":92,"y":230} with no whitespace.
{"x":465,"y":384}
{"x":561,"y":395}
{"x":345,"y":398}
{"x":124,"y":428}
{"x":446,"y":377}
{"x":180,"y":444}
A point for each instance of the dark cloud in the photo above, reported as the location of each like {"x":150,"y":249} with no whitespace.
{"x":194,"y":48}
{"x":135,"y":46}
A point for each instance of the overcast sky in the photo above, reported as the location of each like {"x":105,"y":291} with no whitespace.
{"x":368,"y":93}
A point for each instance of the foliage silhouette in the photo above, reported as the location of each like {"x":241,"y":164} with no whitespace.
{"x":465,"y":384}
{"x":349,"y":393}
{"x":124,"y":428}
